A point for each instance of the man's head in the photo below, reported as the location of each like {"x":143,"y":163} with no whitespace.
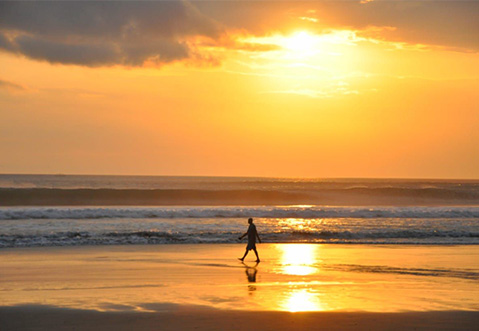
{"x":250,"y":220}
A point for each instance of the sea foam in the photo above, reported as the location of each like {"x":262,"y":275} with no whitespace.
{"x":12,"y":213}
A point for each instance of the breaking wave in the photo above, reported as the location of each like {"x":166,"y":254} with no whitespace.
{"x":79,"y":238}
{"x":249,"y":193}
{"x":17,"y":213}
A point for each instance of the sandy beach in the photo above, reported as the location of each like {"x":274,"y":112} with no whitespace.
{"x":45,"y":318}
{"x":205,"y":287}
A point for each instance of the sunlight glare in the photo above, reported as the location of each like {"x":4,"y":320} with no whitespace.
{"x":299,"y":259}
{"x":307,"y":46}
{"x":299,"y":42}
{"x":302,"y":301}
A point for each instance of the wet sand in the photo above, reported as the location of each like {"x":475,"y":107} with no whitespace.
{"x":45,"y":318}
{"x":204,"y":286}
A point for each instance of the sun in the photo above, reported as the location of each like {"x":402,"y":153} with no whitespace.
{"x":301,"y":41}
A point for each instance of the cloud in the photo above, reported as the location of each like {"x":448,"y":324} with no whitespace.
{"x":6,"y":44}
{"x":69,"y":53}
{"x":450,"y":24}
{"x":132,"y":33}
{"x":11,"y":86}
{"x":105,"y":33}
{"x":317,"y":93}
{"x":241,"y":42}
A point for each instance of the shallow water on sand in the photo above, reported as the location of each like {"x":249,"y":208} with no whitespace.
{"x":291,"y":277}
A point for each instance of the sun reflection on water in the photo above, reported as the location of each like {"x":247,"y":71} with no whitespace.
{"x":302,"y":300}
{"x":299,"y":259}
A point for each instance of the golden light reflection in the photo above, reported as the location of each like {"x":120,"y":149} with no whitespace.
{"x":302,"y":300}
{"x":299,"y":259}
{"x":298,"y":224}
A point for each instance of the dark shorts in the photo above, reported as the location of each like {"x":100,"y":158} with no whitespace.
{"x":251,"y":246}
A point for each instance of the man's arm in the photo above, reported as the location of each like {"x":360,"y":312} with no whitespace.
{"x":257,"y":235}
{"x":243,"y":236}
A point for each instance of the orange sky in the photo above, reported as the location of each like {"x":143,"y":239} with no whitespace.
{"x":294,"y":89}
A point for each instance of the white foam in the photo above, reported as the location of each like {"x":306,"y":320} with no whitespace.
{"x":12,"y":213}
{"x":108,"y":230}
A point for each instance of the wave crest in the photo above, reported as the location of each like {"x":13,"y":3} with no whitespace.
{"x":16,"y":213}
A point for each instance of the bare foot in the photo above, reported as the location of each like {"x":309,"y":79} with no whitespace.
{"x":240,"y":259}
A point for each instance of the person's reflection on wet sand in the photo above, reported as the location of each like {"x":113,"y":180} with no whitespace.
{"x":251,"y":272}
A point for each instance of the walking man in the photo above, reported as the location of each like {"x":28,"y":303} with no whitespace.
{"x":252,"y":235}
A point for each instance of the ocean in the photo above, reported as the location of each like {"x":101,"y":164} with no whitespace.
{"x":68,"y":210}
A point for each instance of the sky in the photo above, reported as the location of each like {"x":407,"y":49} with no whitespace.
{"x":240,"y":88}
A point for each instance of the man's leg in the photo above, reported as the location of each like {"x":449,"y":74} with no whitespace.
{"x":256,"y":252}
{"x":245,"y":253}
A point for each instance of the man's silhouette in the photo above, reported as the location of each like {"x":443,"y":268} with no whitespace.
{"x":252,"y":235}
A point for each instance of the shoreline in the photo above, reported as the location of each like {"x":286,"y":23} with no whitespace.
{"x":180,"y":244}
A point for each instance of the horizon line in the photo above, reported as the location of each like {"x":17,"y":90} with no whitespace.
{"x":242,"y":176}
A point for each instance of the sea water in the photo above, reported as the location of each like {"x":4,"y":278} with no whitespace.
{"x":438,"y":212}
